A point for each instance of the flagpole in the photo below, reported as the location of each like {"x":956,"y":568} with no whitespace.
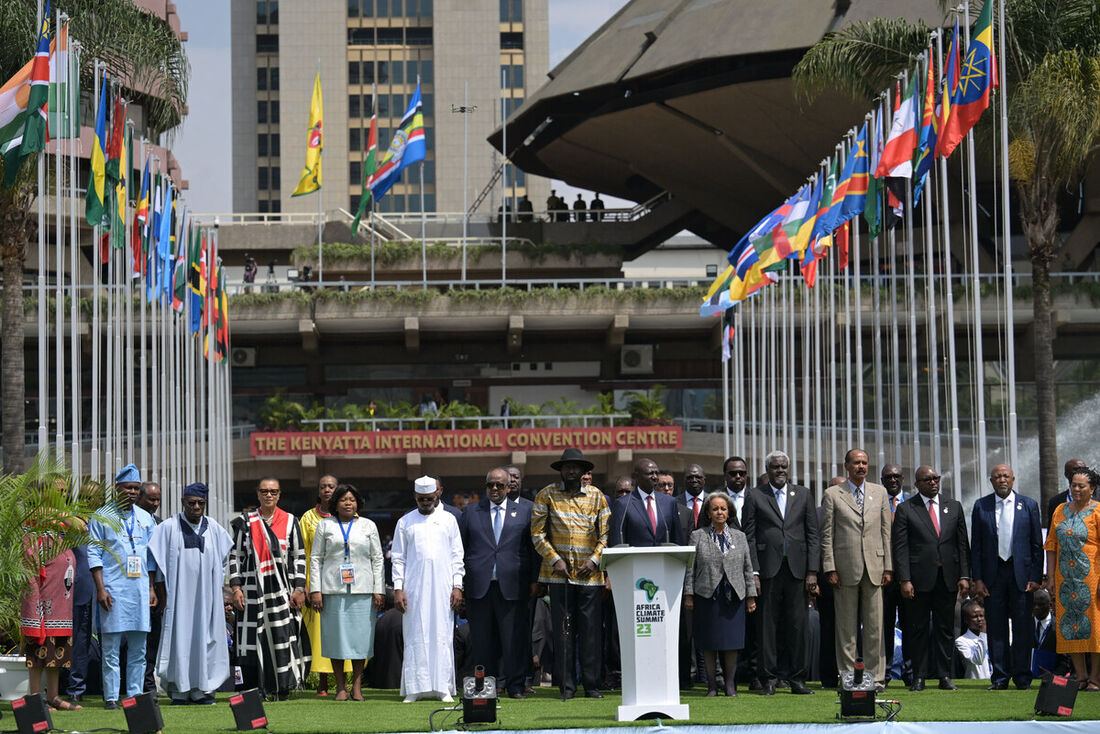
{"x":1006,"y":234}
{"x":807,"y":346}
{"x":725,"y":390}
{"x":465,"y":171}
{"x":129,"y":247}
{"x":503,"y":183}
{"x":895,"y":338}
{"x":738,"y":385}
{"x":833,"y":386}
{"x":819,"y":459}
{"x":143,"y":355}
{"x":423,"y":232}
{"x":107,"y":355}
{"x":320,"y":200}
{"x":96,"y":272}
{"x":75,"y":376}
{"x":43,"y":340}
{"x":931,"y":330}
{"x":59,"y":250}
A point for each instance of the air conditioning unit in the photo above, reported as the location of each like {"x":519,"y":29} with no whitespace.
{"x":636,"y":359}
{"x":243,"y":357}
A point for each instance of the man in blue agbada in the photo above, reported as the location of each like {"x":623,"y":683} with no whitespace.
{"x":123,"y":578}
{"x":190,"y":552}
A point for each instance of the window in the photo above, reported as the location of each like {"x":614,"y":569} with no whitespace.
{"x":273,"y":74}
{"x":383,"y":72}
{"x":397,"y":72}
{"x":517,"y":76}
{"x":397,"y":105}
{"x":366,"y":8}
{"x":429,"y":137}
{"x":262,"y":179}
{"x":267,"y":12}
{"x":261,"y":112}
{"x":353,"y":8}
{"x":382,"y":8}
{"x":429,"y":172}
{"x":353,"y":105}
{"x":261,"y":145}
{"x":426,"y":71}
{"x":274,"y":177}
{"x":353,"y":203}
{"x":355,"y":171}
{"x":511,"y":11}
{"x":368,"y":72}
{"x":360,"y":36}
{"x":274,"y":113}
{"x":429,"y":104}
{"x":276,"y":206}
{"x":383,"y":105}
{"x":510,"y":41}
{"x":520,"y":176}
{"x":353,"y":72}
{"x":274,"y":145}
{"x":390,"y":37}
{"x":261,"y":80}
{"x":261,"y":206}
{"x":395,"y":8}
{"x":418,"y":36}
{"x":267,"y":43}
{"x":354,"y":138}
{"x":429,"y":202}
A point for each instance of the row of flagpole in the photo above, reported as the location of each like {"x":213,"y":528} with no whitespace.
{"x":813,"y":403}
{"x":152,"y":398}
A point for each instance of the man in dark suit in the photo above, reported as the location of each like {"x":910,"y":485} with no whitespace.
{"x":787,"y":548}
{"x":501,"y":576}
{"x":1006,"y":555}
{"x":1071,"y":467}
{"x":645,"y":517}
{"x":932,"y":563}
{"x":667,"y":485}
{"x":893,"y":611}
{"x":1045,"y":637}
{"x":695,"y":491}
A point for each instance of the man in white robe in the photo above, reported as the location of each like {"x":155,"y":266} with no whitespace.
{"x":427,"y":582}
{"x":190,"y":551}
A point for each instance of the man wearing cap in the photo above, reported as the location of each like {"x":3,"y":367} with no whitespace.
{"x":118,"y":560}
{"x":190,"y":552}
{"x":427,"y":588}
{"x":569,"y":526}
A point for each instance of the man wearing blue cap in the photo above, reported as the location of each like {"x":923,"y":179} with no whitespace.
{"x":190,"y":552}
{"x":123,"y":582}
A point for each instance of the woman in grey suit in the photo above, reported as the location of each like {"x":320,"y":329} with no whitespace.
{"x":719,"y":589}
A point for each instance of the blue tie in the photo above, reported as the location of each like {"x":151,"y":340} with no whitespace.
{"x":497,"y":522}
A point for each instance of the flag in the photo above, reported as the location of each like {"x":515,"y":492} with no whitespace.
{"x":197,"y":280}
{"x":976,"y":76}
{"x":181,"y":273}
{"x":368,"y":166}
{"x":727,"y":334}
{"x":149,"y":241}
{"x":873,"y":204}
{"x":950,"y":82}
{"x":141,"y":215}
{"x":209,"y":319}
{"x":16,"y":111}
{"x":63,"y":108}
{"x":897,"y":154}
{"x":743,"y":257}
{"x":788,"y":228}
{"x":407,"y":147}
{"x":164,"y":242}
{"x":35,"y":133}
{"x":926,"y":144}
{"x":311,"y":174}
{"x":825,"y":199}
{"x":802,"y":236}
{"x":851,"y":190}
{"x":114,"y":140}
{"x":118,"y":208}
{"x":222,"y":332}
{"x":717,"y":298}
{"x":762,"y":235}
{"x":95,"y":200}
{"x":842,"y":246}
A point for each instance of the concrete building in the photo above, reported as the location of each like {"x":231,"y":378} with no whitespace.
{"x":499,"y":48}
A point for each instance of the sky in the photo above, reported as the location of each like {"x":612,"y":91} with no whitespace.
{"x":202,"y":144}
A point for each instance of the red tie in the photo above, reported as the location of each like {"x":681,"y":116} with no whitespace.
{"x":695,"y":501}
{"x":652,"y":514}
{"x":932,"y":514}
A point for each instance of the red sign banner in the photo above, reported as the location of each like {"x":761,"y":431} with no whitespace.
{"x":367,"y":443}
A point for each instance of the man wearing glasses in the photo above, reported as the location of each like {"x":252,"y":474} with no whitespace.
{"x":932,"y":564}
{"x":501,"y":575}
{"x":267,"y":574}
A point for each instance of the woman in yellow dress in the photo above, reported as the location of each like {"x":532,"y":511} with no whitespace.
{"x":1073,"y":564}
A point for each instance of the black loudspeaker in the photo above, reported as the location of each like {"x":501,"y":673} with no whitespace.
{"x":248,"y":710}
{"x":143,"y":713}
{"x":857,"y":693}
{"x":1056,"y":697}
{"x":31,"y":714}
{"x":479,"y":698}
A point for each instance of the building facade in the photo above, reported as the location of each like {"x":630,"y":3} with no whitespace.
{"x":466,"y":53}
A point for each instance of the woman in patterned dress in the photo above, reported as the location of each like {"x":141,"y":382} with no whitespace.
{"x":1073,"y":560}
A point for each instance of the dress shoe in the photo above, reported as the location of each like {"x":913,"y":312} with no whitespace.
{"x":998,"y":687}
{"x":755,"y":685}
{"x":918,"y":684}
{"x":1022,"y":685}
{"x":947,"y":685}
{"x":799,"y":688}
{"x":519,"y":695}
{"x":731,"y":691}
{"x":111,"y":706}
{"x":594,"y":693}
{"x":566,"y":695}
{"x":768,"y":688}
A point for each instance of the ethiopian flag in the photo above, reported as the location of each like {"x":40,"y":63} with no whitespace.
{"x":311,"y":174}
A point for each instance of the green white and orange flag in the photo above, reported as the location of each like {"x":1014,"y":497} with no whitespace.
{"x":311,"y":174}
{"x":63,"y":110}
{"x":368,"y":165}
{"x":23,"y":106}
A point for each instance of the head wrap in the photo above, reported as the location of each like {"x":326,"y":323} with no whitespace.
{"x":128,"y":473}
{"x":198,"y":489}
{"x":425,"y":485}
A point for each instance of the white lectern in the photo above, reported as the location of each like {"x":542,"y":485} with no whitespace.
{"x":648,"y":584}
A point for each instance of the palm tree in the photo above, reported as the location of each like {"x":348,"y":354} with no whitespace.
{"x":1053,"y":81}
{"x":137,"y":47}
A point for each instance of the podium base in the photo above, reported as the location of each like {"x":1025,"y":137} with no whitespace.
{"x":653,"y":711}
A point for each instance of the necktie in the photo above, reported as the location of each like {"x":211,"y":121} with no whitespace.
{"x":1004,"y":532}
{"x":695,"y":510}
{"x":859,"y":499}
{"x":932,"y":514}
{"x":652,"y":514}
{"x":497,"y":522}
{"x":781,"y":500}
{"x":1038,"y":631}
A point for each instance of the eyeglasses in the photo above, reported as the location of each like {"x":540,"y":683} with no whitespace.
{"x":737,"y":473}
{"x":495,"y":485}
{"x":930,"y":479}
{"x":268,"y":491}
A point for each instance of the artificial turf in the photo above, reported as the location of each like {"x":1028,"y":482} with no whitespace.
{"x":383,"y":711}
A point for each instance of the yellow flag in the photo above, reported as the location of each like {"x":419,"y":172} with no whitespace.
{"x":311,"y":174}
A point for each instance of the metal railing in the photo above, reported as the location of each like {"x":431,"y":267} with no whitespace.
{"x":568,"y":420}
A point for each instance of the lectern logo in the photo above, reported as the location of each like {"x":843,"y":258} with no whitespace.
{"x":649,"y":611}
{"x":648,"y":587}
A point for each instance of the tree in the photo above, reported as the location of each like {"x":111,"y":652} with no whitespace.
{"x":1053,"y":82}
{"x":137,"y":47}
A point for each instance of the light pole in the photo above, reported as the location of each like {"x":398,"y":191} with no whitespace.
{"x":465,"y":109}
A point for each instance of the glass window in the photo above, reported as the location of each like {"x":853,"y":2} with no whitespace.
{"x":360,"y":36}
{"x":274,"y":177}
{"x":261,"y":12}
{"x":412,"y":70}
{"x":382,"y":8}
{"x":429,"y":172}
{"x":366,"y":8}
{"x":355,"y":171}
{"x":517,"y":76}
{"x":383,"y":105}
{"x":276,"y":206}
{"x":429,"y":137}
{"x":261,"y":80}
{"x":395,"y":8}
{"x":429,"y":202}
{"x":261,"y":206}
{"x":517,"y":11}
{"x":368,"y":72}
{"x":425,"y":8}
{"x":511,"y":11}
{"x":397,"y":72}
{"x":273,"y":74}
{"x":505,"y":77}
{"x":261,"y":112}
{"x":353,"y":203}
{"x":353,"y":105}
{"x":391,"y":37}
{"x":353,"y":8}
{"x":397,"y":105}
{"x":261,"y":179}
{"x":383,"y":139}
{"x":520,"y":176}
{"x":383,"y":72}
{"x":274,"y":113}
{"x":273,"y":12}
{"x":354,"y":138}
{"x":274,"y":144}
{"x":429,"y":104}
{"x":426,"y":71}
{"x":418,"y":36}
{"x":353,"y":72}
{"x":261,"y":145}
{"x":267,"y":43}
{"x":511,"y":41}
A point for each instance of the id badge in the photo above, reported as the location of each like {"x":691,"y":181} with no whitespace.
{"x":133,"y":567}
{"x":347,"y":573}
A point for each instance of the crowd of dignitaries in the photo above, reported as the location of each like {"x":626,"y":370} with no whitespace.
{"x":779,"y":588}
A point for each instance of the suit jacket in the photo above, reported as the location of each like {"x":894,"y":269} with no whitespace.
{"x":797,"y":528}
{"x":684,"y":501}
{"x":514,"y":556}
{"x":630,"y":521}
{"x":852,"y":541}
{"x":711,"y":564}
{"x":687,"y":522}
{"x":1027,"y":541}
{"x":919,"y":552}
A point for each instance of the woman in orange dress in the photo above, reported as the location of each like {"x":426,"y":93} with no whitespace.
{"x":1073,"y":563}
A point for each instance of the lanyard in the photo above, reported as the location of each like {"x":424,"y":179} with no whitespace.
{"x":130,"y":530}
{"x":346,"y":534}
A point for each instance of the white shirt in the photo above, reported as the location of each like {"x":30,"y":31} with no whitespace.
{"x":1044,"y":625}
{"x":857,"y":490}
{"x":974,"y":650}
{"x":738,"y":501}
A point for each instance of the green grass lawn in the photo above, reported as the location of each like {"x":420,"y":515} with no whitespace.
{"x":383,"y":711}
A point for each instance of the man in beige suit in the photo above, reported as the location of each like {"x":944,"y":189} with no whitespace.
{"x":855,"y":549}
